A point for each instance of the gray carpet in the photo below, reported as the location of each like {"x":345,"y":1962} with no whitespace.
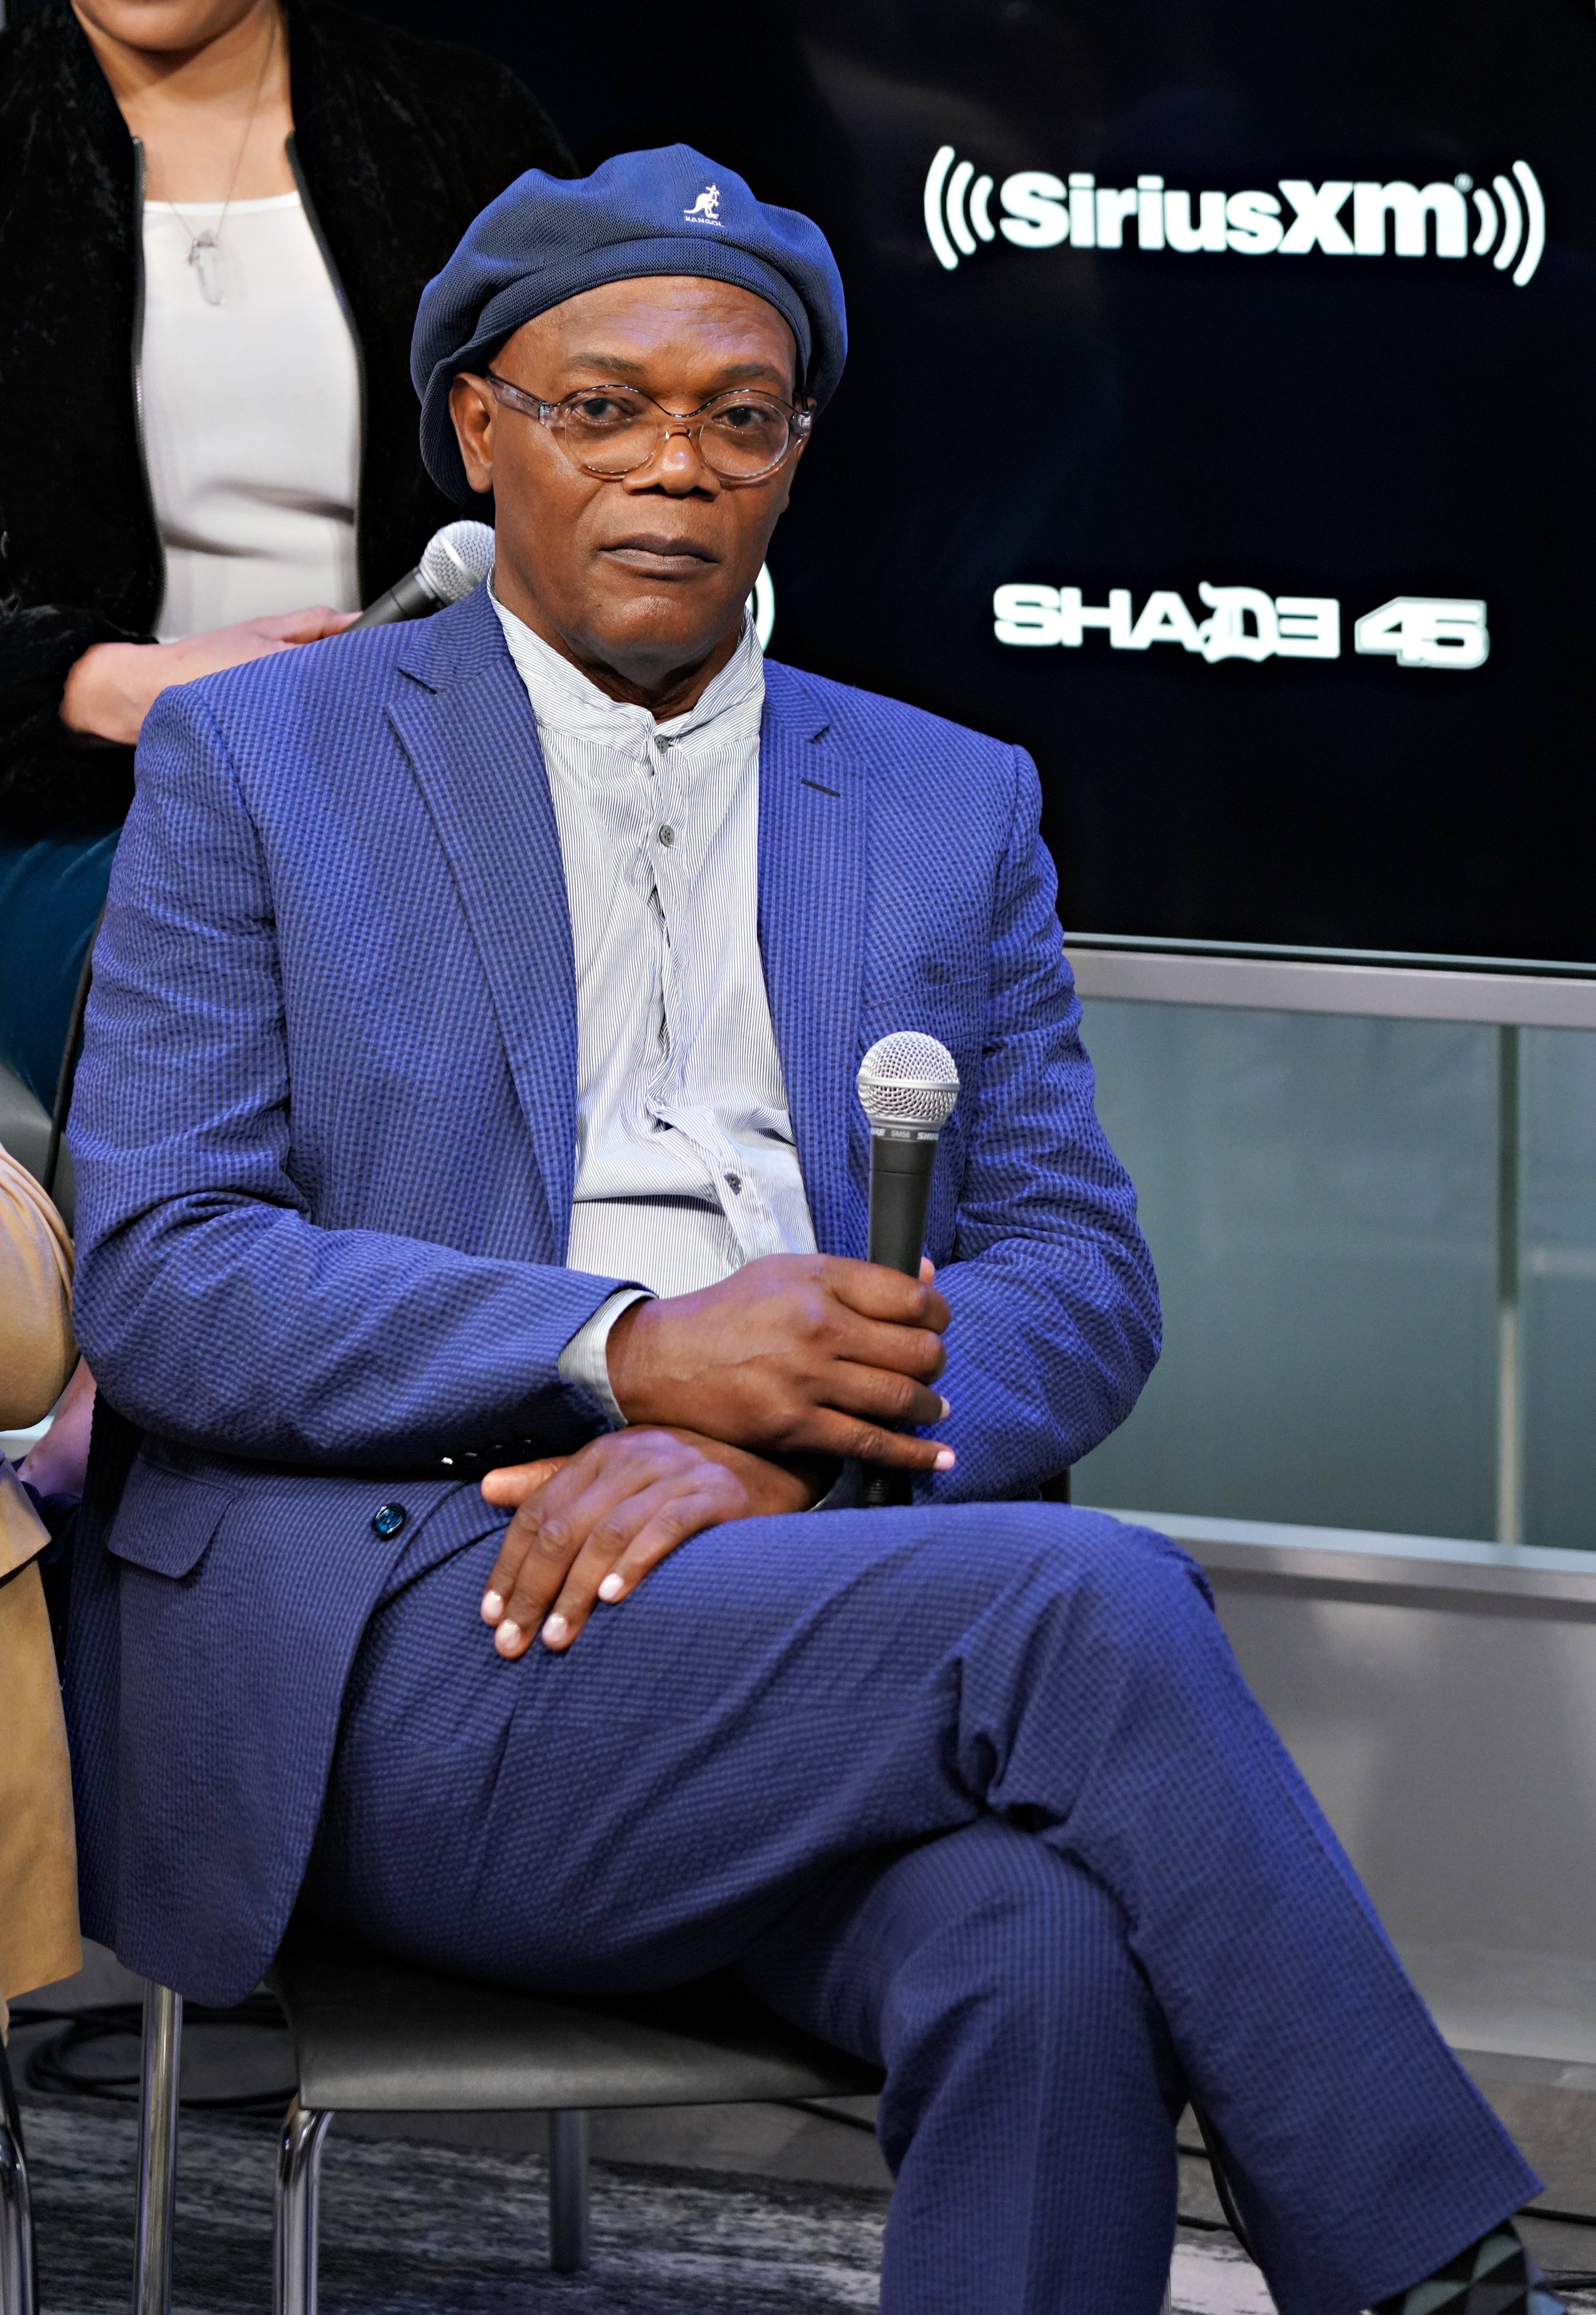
{"x":408,"y":2228}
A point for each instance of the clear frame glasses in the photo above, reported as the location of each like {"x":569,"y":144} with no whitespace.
{"x":610,"y":430}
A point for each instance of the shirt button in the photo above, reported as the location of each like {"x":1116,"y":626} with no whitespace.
{"x":389,"y":1519}
{"x":734,"y":1184}
{"x":668,"y":834}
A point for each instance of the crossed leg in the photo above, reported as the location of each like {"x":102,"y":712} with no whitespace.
{"x":1028,"y":2068}
{"x":978,"y":1792}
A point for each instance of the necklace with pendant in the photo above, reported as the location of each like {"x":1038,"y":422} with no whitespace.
{"x":205,"y":247}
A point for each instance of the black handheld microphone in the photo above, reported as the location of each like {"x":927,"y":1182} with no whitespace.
{"x":454,"y":561}
{"x":908,"y":1086}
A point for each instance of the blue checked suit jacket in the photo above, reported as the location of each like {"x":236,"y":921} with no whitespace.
{"x":324,"y":1141}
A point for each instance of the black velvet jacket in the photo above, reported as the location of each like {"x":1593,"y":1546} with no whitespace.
{"x":397,"y":143}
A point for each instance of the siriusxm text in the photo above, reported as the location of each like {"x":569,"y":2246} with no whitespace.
{"x":1340,"y":218}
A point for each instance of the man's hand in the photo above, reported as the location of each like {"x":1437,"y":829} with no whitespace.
{"x":112,"y":688}
{"x":590,"y":1526}
{"x":798,"y":1353}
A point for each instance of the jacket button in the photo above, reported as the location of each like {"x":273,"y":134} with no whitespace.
{"x":389,"y":1519}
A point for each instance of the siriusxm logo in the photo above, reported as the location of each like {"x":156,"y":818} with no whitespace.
{"x":1244,"y":623}
{"x":1041,"y":212}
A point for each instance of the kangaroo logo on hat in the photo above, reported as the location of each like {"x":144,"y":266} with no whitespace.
{"x":707,"y":209}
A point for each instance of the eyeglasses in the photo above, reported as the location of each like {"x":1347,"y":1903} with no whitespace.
{"x":611,"y":430}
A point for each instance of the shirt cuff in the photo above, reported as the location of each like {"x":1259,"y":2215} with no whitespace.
{"x":583,"y":1361}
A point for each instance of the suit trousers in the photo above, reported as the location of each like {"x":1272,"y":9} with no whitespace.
{"x":978,"y":1793}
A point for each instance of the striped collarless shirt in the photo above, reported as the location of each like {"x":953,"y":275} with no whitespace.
{"x":685,"y":1164}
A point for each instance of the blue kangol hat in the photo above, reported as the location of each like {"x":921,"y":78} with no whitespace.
{"x":548,"y":238}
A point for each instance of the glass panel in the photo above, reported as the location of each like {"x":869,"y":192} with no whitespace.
{"x":1558,"y":1270}
{"x":1320,"y":1197}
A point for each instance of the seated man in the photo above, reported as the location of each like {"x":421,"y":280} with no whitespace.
{"x":470,"y":1080}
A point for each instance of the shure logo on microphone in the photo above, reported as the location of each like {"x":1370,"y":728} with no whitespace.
{"x":1506,"y":222}
{"x":1244,"y":623}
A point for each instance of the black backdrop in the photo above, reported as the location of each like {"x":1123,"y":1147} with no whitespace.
{"x":1361,"y":428}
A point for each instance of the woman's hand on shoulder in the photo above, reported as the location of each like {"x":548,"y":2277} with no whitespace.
{"x":112,"y":688}
{"x":589,"y":1527}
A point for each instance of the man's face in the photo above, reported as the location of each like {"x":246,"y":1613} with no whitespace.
{"x":647,"y":575}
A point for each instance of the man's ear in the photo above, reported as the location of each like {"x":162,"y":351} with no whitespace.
{"x":471,"y":407}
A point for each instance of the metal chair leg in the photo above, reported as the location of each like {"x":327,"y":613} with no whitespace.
{"x":18,"y":2270}
{"x":568,"y":2190}
{"x":157,"y":2151}
{"x":295,"y":2246}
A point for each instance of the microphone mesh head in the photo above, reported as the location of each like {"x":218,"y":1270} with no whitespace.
{"x":456,"y":559}
{"x":909,"y":1079}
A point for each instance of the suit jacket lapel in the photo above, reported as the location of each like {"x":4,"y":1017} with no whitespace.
{"x":467,"y":725}
{"x":813,"y":892}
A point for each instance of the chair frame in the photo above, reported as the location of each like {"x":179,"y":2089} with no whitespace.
{"x":296,"y":2231}
{"x":19,"y":2288}
{"x":158,"y":2075}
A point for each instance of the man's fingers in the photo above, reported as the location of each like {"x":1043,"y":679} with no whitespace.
{"x":507,"y":1566}
{"x":825,"y":1431}
{"x":895,"y":1401}
{"x":877,"y":1292}
{"x":511,"y":1487}
{"x":635,"y":1536}
{"x":594,"y":1491}
{"x":671,"y":1524}
{"x":608,"y":1538}
{"x":900,"y":1450}
{"x":589,"y":1527}
{"x":912,"y":1350}
{"x":538,"y":1546}
{"x":512,"y":1484}
{"x":555,"y":1524}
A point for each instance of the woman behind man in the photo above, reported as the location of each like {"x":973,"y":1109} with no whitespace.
{"x":218,"y":218}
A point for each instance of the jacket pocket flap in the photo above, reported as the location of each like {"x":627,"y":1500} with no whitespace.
{"x":165,"y":1519}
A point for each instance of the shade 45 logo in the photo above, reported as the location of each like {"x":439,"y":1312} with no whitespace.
{"x":1244,"y":623}
{"x":1504,"y":221}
